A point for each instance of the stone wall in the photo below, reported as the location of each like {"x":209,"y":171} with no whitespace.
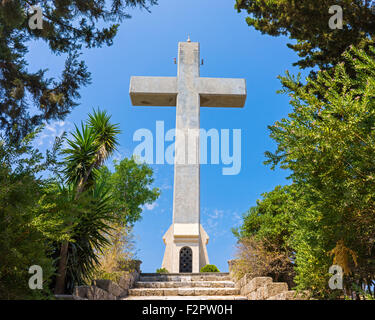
{"x":107,"y":289}
{"x":263,"y":288}
{"x":103,"y":289}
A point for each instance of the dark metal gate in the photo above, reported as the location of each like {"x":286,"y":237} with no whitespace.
{"x":186,"y":260}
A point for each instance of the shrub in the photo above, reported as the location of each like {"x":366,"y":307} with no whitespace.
{"x":114,"y":276}
{"x":210,"y":268}
{"x":261,"y":258}
{"x":162,"y":270}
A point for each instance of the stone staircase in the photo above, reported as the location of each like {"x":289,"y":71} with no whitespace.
{"x":184,"y":286}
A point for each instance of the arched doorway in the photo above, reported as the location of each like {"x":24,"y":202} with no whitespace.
{"x":186,"y":260}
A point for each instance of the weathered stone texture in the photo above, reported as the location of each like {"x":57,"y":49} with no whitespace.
{"x":110,"y":287}
{"x":274,"y":288}
{"x":107,"y":289}
{"x":202,"y":286}
{"x":263,"y":288}
{"x":254,"y":284}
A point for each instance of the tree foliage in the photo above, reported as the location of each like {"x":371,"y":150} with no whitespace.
{"x":328,"y":145}
{"x":41,"y":210}
{"x":307,"y":22}
{"x":67,"y":27}
{"x":26,"y":232}
{"x":88,"y":151}
{"x":130,"y":186}
{"x":119,"y":253}
{"x":271,"y":218}
{"x":326,"y":142}
{"x":265,"y":247}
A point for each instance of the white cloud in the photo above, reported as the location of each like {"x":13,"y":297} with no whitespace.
{"x":52,"y":130}
{"x":217,"y":214}
{"x":218,"y":223}
{"x":213,"y":223}
{"x":151,"y":206}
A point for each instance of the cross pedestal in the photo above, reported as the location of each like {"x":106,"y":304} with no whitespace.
{"x":186,"y":239}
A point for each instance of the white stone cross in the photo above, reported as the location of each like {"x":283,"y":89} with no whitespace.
{"x":188,"y":92}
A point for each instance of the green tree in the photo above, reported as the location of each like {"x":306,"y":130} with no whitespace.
{"x":27,"y":231}
{"x":67,"y":26}
{"x":307,"y":22}
{"x":265,"y":247}
{"x":40,"y":209}
{"x":88,"y":151}
{"x":130,"y":189}
{"x":117,"y":198}
{"x":271,"y":218}
{"x":328,"y":145}
{"x":115,"y":204}
{"x":130,"y":186}
{"x":90,"y":235}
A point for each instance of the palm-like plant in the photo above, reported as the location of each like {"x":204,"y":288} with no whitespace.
{"x":87,"y":151}
{"x":105,"y":135}
{"x":80,"y":154}
{"x":91,"y":235}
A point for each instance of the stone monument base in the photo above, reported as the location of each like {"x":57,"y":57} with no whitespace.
{"x":185,"y":249}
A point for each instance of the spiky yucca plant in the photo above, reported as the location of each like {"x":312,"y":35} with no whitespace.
{"x":87,"y":151}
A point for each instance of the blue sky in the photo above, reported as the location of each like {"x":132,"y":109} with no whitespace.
{"x":146,"y":46}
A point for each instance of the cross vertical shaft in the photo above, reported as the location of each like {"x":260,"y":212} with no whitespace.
{"x":186,"y":195}
{"x":186,"y":239}
{"x":186,"y":176}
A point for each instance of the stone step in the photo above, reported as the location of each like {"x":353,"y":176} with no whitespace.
{"x":177,"y":277}
{"x":185,"y":298}
{"x":185,"y":284}
{"x":184,"y":292}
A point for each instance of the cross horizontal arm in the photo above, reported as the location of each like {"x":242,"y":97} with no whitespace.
{"x":153,"y":91}
{"x":217,"y":92}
